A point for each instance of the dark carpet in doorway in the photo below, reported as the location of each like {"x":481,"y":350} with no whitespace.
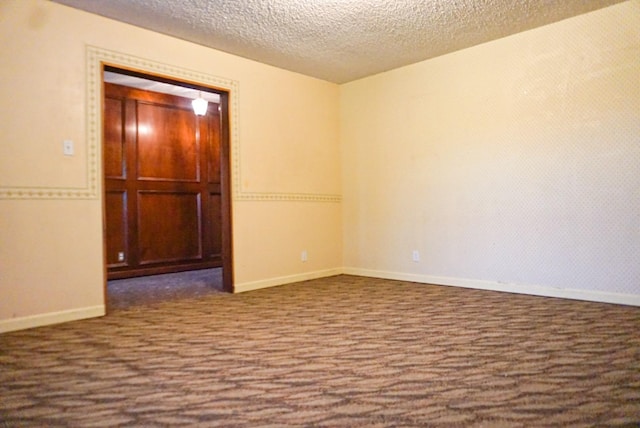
{"x":146,"y":290}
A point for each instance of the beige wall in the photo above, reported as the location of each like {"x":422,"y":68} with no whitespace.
{"x":511,"y":165}
{"x":286,"y":149}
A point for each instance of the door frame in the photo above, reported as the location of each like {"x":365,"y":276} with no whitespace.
{"x":225,"y":160}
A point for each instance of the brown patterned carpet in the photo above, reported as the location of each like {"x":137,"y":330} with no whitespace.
{"x":334,"y":352}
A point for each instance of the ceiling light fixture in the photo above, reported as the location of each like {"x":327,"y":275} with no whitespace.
{"x":199,"y":105}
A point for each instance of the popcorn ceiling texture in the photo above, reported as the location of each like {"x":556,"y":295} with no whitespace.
{"x":339,"y":40}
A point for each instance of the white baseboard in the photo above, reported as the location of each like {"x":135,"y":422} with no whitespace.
{"x":534,"y":290}
{"x":272,"y":282}
{"x":40,"y":320}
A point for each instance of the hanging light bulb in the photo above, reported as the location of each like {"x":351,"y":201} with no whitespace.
{"x":199,"y":105}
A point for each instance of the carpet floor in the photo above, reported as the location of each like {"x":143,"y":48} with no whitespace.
{"x":334,"y":352}
{"x":148,"y":290}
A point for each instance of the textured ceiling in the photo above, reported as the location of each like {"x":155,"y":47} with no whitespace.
{"x":338,"y":40}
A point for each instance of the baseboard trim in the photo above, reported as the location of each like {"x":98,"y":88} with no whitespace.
{"x":534,"y":290}
{"x":50,"y":318}
{"x":273,"y":282}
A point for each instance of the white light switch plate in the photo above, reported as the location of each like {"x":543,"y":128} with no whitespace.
{"x":67,"y":148}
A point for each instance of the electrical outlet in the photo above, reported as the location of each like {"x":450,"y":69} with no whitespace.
{"x":303,"y":256}
{"x":415,"y":256}
{"x":121,"y":256}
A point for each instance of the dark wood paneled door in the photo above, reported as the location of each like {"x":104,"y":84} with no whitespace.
{"x":163,"y":195}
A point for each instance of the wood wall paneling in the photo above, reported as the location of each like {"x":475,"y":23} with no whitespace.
{"x":215,"y":236}
{"x":169,"y":226}
{"x":167,"y":143}
{"x":114,"y":138}
{"x":167,"y":160}
{"x":211,"y":126}
{"x":116,"y":220}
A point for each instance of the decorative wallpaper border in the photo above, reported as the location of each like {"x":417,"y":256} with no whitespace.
{"x":49,"y":192}
{"x":295,"y":197}
{"x":95,"y":58}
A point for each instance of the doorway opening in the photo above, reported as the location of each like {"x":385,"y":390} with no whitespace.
{"x":166,"y":175}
